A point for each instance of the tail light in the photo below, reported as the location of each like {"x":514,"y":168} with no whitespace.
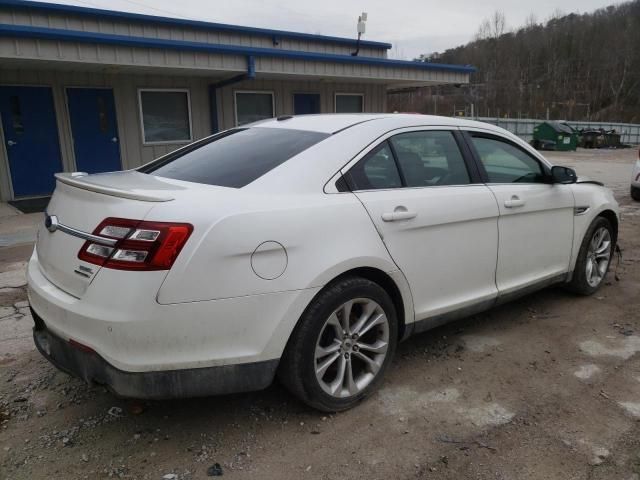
{"x":139,"y":245}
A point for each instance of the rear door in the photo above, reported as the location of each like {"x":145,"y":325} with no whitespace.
{"x":435,"y":218}
{"x":536,"y":217}
{"x":31,"y":139}
{"x":94,"y":129}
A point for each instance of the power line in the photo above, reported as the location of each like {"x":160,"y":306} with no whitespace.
{"x":167,"y":12}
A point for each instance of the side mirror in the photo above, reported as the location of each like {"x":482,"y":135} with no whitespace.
{"x":563,"y":175}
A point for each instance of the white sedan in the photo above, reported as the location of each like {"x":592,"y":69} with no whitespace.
{"x":303,"y":247}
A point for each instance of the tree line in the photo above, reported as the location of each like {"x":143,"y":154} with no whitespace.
{"x":574,"y":67}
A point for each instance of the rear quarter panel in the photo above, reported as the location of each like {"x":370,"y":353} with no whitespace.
{"x":323,"y":236}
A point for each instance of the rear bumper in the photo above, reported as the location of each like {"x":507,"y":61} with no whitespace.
{"x":191,"y":382}
{"x":119,"y":319}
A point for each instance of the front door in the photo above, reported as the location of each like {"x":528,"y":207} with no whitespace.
{"x":31,"y":139}
{"x":439,"y":225}
{"x":306,"y":103}
{"x":536,"y":218}
{"x":94,"y":129}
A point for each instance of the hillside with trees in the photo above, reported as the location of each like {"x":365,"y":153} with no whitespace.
{"x":577,"y":67}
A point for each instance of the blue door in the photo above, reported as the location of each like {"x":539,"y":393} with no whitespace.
{"x":305,"y":103}
{"x":31,"y":139}
{"x":94,"y":129}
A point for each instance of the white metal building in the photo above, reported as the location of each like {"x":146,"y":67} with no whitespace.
{"x":96,"y":90}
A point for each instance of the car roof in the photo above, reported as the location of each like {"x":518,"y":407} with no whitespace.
{"x":337,"y":122}
{"x":312,"y":168}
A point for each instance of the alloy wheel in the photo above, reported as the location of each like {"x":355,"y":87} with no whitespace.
{"x":351,"y":347}
{"x":598,"y":256}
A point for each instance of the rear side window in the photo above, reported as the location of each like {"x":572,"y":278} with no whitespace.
{"x":234,"y":158}
{"x":430,"y":158}
{"x":377,"y":170}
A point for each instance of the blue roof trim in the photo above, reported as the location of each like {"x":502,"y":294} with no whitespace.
{"x":141,"y":17}
{"x":21,"y":31}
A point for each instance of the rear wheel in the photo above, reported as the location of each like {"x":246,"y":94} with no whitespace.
{"x":342,"y":345}
{"x":635,"y":193}
{"x":594,"y":258}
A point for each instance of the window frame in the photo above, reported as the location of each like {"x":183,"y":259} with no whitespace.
{"x":235,"y":104}
{"x":468,"y":136}
{"x":347,"y":94}
{"x":475,"y":178}
{"x":141,"y":115}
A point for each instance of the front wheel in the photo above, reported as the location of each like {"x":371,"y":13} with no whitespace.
{"x":342,"y":345}
{"x":594,"y":258}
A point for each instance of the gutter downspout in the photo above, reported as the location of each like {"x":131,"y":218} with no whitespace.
{"x":213,"y":90}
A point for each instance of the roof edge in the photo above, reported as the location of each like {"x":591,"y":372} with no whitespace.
{"x":25,"y":31}
{"x":143,"y":17}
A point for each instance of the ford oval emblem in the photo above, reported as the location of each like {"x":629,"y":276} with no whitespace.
{"x":51,"y":223}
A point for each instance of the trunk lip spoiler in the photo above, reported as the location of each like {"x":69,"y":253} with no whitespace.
{"x":77,"y":181}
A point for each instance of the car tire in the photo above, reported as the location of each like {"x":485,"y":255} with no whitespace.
{"x":592,"y":265}
{"x":635,"y":193}
{"x":321,"y":329}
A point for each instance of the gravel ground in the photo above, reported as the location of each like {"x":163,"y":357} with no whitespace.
{"x":547,"y":387}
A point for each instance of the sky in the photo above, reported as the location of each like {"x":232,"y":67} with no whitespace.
{"x":412,"y":26}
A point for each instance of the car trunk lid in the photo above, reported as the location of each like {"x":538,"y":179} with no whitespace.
{"x":80,"y":204}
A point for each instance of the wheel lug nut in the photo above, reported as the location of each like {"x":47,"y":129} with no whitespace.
{"x":356,"y":348}
{"x":346,"y":355}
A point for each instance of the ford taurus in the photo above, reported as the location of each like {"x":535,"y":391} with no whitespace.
{"x":304,"y":248}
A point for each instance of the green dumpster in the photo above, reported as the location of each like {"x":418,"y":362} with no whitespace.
{"x":554,"y":136}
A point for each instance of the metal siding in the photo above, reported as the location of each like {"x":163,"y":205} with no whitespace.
{"x":141,"y":28}
{"x":91,"y":53}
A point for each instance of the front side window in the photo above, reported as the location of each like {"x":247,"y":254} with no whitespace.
{"x":377,"y":170}
{"x":349,"y":103}
{"x":253,"y":106}
{"x":506,"y":163}
{"x":165,"y":115}
{"x":234,"y":158}
{"x":430,"y":158}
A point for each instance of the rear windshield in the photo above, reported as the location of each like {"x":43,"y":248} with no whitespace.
{"x":234,"y":158}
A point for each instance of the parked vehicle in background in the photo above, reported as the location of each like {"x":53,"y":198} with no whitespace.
{"x":635,"y":179}
{"x":305,"y":247}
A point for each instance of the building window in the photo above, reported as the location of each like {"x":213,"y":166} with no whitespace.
{"x":253,"y":106}
{"x":165,"y":115}
{"x":349,"y":103}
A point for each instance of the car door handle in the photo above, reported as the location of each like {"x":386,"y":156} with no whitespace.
{"x":11,"y":143}
{"x":400,"y":213}
{"x":514,"y":202}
